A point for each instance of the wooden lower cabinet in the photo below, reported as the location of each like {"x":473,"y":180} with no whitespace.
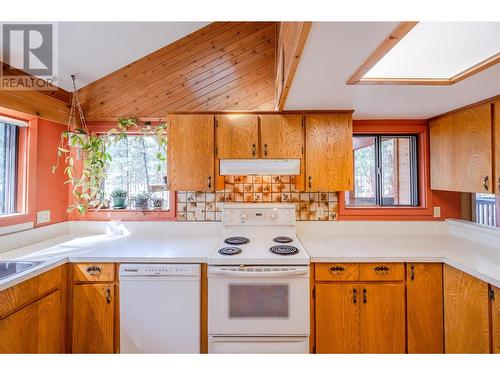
{"x":466,"y":313}
{"x":360,"y":318}
{"x":35,"y":328}
{"x":424,"y":294}
{"x":93,"y":316}
{"x":495,"y":318}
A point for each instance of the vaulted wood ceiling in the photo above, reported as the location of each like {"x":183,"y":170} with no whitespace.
{"x":223,"y":66}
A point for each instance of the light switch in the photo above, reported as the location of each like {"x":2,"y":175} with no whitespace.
{"x":43,"y":217}
{"x":437,"y":211}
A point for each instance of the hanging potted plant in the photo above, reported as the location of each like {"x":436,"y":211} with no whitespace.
{"x":119,"y":197}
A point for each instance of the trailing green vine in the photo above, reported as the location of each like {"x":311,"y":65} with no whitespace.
{"x":86,"y":158}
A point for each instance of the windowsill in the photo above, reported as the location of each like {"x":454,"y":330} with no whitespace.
{"x":16,"y":214}
{"x":383,"y":207}
{"x":125,"y":215}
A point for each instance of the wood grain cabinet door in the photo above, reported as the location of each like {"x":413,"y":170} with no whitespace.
{"x":382,"y":318}
{"x":495,"y":318}
{"x":424,"y":301}
{"x":191,"y":152}
{"x":337,"y":318}
{"x":460,"y":151}
{"x":238,"y":136}
{"x":281,"y":136}
{"x":329,"y":155}
{"x":35,"y":328}
{"x":93,"y":318}
{"x":496,"y":147}
{"x":466,"y":313}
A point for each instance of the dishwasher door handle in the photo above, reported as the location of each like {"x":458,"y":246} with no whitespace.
{"x":256,"y":274}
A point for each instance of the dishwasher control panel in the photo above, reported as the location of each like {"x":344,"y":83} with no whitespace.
{"x":159,"y":270}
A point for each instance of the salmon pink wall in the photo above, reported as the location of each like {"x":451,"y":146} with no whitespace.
{"x":51,"y":192}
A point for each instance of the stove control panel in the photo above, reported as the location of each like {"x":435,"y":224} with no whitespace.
{"x":258,"y":214}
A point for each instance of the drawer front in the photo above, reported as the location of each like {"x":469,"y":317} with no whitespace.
{"x":382,"y":271}
{"x":336,"y":272}
{"x":94,"y":272}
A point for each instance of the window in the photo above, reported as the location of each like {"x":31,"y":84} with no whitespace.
{"x":135,"y":168}
{"x":8,"y":167}
{"x":385,"y":171}
{"x":485,"y":209}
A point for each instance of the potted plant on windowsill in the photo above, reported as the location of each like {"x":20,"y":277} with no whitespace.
{"x":119,"y":197}
{"x":141,"y":201}
{"x":157,"y":202}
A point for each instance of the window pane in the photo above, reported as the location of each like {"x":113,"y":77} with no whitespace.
{"x":365,"y":184}
{"x":135,"y":168}
{"x":485,"y":209}
{"x":396,"y":169}
{"x":8,"y":168}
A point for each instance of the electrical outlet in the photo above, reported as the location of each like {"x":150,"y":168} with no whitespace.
{"x":43,"y":217}
{"x":437,"y":211}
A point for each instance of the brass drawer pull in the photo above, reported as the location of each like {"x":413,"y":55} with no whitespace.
{"x":108,"y":295}
{"x":337,"y":270}
{"x":412,"y":273}
{"x":364,"y":296}
{"x":354,"y":296}
{"x":382,"y":269}
{"x":265,"y":149}
{"x":209,"y":182}
{"x":486,"y":183}
{"x":254,"y":150}
{"x":310,"y":182}
{"x":94,"y":270}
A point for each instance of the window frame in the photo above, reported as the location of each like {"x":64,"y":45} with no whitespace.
{"x":414,"y":175}
{"x":423,"y":211}
{"x":128,"y":214}
{"x":11,"y":169}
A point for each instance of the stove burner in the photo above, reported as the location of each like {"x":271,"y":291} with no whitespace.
{"x":230,"y":251}
{"x":284,"y":250}
{"x":236,"y":240}
{"x":282,"y":239}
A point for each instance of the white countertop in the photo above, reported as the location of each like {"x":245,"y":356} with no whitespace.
{"x":325,"y":242}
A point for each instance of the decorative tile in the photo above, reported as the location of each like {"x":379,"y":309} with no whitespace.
{"x":247,"y":179}
{"x":247,"y":188}
{"x":248,"y":197}
{"x":210,"y":197}
{"x":181,"y":197}
{"x":200,"y":196}
{"x":181,"y":207}
{"x":190,"y":197}
{"x":238,"y":179}
{"x":276,"y":197}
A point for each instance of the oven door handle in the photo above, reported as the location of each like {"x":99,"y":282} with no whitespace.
{"x":257,"y":274}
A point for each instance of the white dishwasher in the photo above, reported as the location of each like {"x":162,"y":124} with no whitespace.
{"x":160,"y":308}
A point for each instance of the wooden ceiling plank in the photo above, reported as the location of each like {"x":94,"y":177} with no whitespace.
{"x":180,"y":78}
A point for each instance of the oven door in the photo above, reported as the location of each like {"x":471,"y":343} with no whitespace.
{"x":260,"y":300}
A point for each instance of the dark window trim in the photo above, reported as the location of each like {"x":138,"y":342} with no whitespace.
{"x":414,"y":170}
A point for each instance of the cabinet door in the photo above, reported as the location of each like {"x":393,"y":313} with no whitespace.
{"x":496,"y":121}
{"x":460,"y":151}
{"x":329,"y":155}
{"x":237,"y":136}
{"x":495,"y":318}
{"x":281,"y":136}
{"x":191,"y":152}
{"x":424,"y":296}
{"x":93,"y":318}
{"x":36,"y":328}
{"x":466,"y":313}
{"x":382,"y":318}
{"x":337,"y":318}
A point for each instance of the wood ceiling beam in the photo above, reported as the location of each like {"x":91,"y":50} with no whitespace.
{"x":292,"y":38}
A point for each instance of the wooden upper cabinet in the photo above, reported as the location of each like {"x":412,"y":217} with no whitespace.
{"x":191,"y":152}
{"x":424,"y":293}
{"x":237,"y":136}
{"x":460,"y":151}
{"x":496,"y":146}
{"x":466,"y":313}
{"x":495,"y":318}
{"x":282,"y":136}
{"x":329,"y":154}
{"x":382,"y":318}
{"x":93,"y":318}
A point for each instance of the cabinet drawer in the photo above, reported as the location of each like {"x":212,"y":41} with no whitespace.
{"x":337,"y":272}
{"x":96,"y":272}
{"x":381,"y":271}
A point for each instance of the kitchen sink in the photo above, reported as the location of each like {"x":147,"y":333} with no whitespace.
{"x":8,"y":269}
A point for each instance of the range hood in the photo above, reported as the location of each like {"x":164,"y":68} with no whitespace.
{"x":246,"y":167}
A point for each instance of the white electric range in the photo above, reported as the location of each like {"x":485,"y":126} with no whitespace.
{"x":258,"y":282}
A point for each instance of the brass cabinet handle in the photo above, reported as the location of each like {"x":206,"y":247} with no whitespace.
{"x":94,"y":270}
{"x":337,"y":270}
{"x":382,"y":269}
{"x":412,"y":273}
{"x":265,"y":149}
{"x":486,"y":183}
{"x":209,"y":182}
{"x":254,"y":150}
{"x":364,"y":296}
{"x":310,"y":182}
{"x":354,"y":296}
{"x":108,"y":296}
{"x":498,"y":183}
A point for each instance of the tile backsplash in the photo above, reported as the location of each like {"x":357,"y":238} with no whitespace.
{"x":207,"y":206}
